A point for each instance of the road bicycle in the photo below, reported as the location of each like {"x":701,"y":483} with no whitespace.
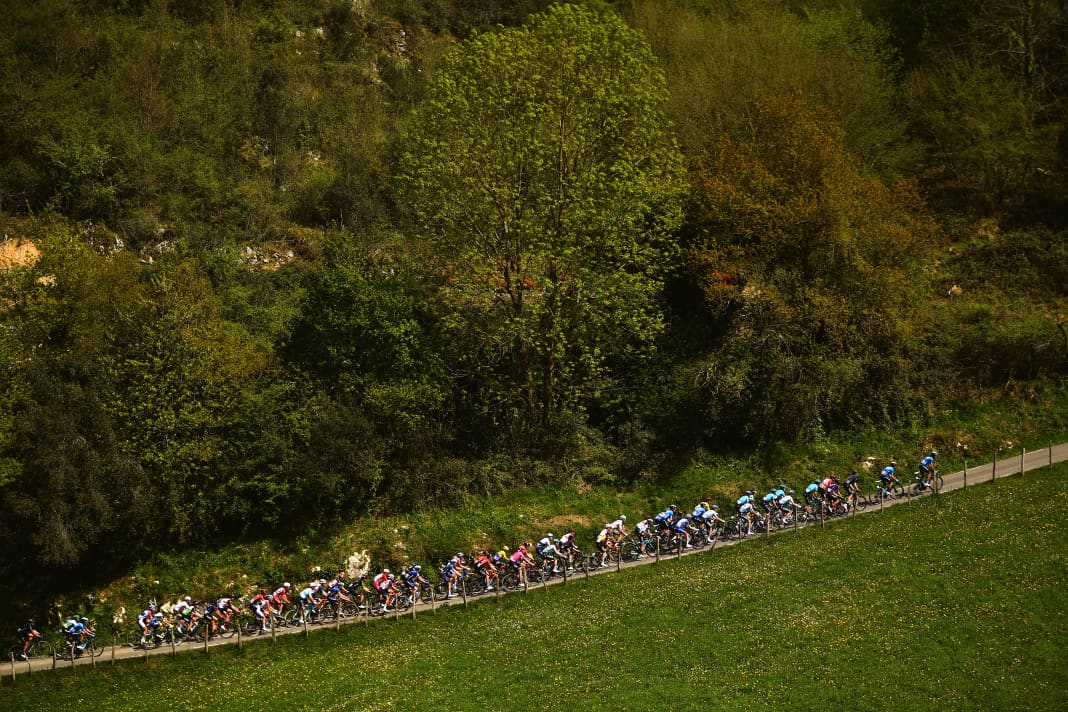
{"x":38,"y":648}
{"x":923,"y":486}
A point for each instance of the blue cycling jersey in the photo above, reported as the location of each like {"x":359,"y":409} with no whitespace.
{"x":812,"y":488}
{"x":887,"y":472}
{"x":927,"y":462}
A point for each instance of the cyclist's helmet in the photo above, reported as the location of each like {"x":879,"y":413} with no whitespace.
{"x":417,"y":568}
{"x":570,"y":531}
{"x":29,"y":621}
{"x":84,"y":619}
{"x":934,"y":453}
{"x":780,"y":492}
{"x":287,"y":585}
{"x":152,"y":606}
{"x":341,"y":574}
{"x":459,"y":554}
{"x":893,"y":463}
{"x":549,"y":535}
{"x":673,"y":507}
{"x":622,"y":517}
{"x":715,"y":507}
{"x":322,"y":581}
{"x":704,"y":504}
{"x":188,"y":599}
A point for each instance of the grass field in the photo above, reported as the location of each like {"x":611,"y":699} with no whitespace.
{"x":955,"y":603}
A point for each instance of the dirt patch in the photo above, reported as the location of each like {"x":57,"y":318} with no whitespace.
{"x":17,"y":252}
{"x":561,"y":521}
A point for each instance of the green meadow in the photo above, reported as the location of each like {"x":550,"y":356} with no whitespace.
{"x":955,"y":602}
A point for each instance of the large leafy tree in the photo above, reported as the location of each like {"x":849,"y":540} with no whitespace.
{"x":805,"y":259}
{"x":545,"y":187}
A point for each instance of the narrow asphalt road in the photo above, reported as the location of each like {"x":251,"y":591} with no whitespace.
{"x":1010,"y":464}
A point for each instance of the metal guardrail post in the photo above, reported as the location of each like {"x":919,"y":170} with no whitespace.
{"x":1023,"y":453}
{"x":994,"y":468}
{"x":239,"y":626}
{"x":12,"y":654}
{"x":658,"y":548}
{"x":965,"y":473}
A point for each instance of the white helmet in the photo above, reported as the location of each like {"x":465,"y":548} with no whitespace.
{"x":549,"y":535}
{"x":385,"y":571}
{"x":287,"y":585}
{"x":622,"y":517}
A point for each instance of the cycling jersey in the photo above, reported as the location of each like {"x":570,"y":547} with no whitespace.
{"x":666,"y":515}
{"x":887,"y":473}
{"x":617,"y":525}
{"x":682,"y":524}
{"x":698,"y":512}
{"x":927,"y":464}
{"x":603,"y":536}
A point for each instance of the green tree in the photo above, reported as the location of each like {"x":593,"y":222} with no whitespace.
{"x":545,"y":186}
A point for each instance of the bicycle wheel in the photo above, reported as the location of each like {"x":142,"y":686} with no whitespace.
{"x":39,"y":649}
{"x":937,"y":482}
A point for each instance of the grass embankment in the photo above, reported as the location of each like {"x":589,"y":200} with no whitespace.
{"x":955,"y":603}
{"x":1033,"y":416}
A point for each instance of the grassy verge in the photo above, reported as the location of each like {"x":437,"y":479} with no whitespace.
{"x":957,"y":603}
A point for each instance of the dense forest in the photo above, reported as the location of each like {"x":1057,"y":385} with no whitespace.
{"x":268,"y":262}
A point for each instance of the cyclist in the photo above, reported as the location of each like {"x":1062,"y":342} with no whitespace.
{"x":547,"y":540}
{"x":453,"y":570}
{"x":382,"y":583}
{"x":665,"y":518}
{"x":769,"y":502}
{"x":646,"y":536}
{"x":78,"y":634}
{"x":746,"y":510}
{"x":307,"y":598}
{"x":27,"y":634}
{"x":786,"y":504}
{"x":551,"y":554}
{"x":184,"y":609}
{"x":280,"y":598}
{"x":711,"y":517}
{"x":852,"y":486}
{"x":568,"y":548}
{"x":812,"y":497}
{"x":261,"y":608}
{"x":521,"y":561}
{"x":927,"y":469}
{"x":606,"y":542}
{"x":829,"y":488}
{"x":698,"y":513}
{"x":484,"y":566}
{"x":413,"y":578}
{"x":147,"y":620}
{"x":684,"y":529}
{"x":888,"y":477}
